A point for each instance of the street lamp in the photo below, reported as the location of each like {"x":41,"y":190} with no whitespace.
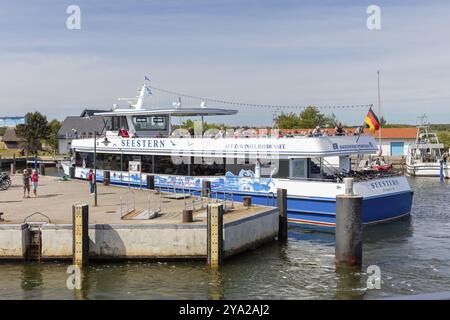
{"x":105,"y":142}
{"x":95,"y":168}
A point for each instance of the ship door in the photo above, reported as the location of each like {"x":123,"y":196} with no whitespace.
{"x":298,"y":168}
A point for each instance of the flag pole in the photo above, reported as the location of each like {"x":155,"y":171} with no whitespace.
{"x":379,"y":110}
{"x":364,"y":124}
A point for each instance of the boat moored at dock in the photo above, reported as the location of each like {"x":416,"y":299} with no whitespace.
{"x":253,"y":163}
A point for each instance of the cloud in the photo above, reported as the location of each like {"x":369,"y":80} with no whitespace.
{"x":268,"y":52}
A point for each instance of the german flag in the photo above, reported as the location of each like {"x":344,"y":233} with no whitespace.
{"x":372,"y":121}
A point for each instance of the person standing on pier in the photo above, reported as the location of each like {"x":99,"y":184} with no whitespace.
{"x":34,"y":182}
{"x":26,"y":183}
{"x":90,"y":178}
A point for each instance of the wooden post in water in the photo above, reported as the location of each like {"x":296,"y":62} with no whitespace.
{"x":348,"y":247}
{"x":282,"y":213}
{"x":215,"y":235}
{"x":80,"y":225}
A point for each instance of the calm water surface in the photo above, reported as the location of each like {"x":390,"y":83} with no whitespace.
{"x":413,"y":255}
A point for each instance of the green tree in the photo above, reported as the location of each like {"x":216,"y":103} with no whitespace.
{"x":35,"y":129}
{"x":288,"y":121}
{"x":52,"y":140}
{"x":444,"y":137}
{"x":312,"y":117}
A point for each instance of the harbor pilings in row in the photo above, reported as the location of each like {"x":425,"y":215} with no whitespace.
{"x":348,"y":233}
{"x":80,"y":225}
{"x":282,"y":213}
{"x":215,"y":235}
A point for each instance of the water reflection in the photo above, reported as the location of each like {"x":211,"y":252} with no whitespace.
{"x":216,"y":284}
{"x":349,"y":283}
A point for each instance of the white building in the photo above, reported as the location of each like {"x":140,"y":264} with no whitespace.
{"x":395,"y":141}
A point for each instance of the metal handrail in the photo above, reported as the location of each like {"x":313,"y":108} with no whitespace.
{"x":37,"y":213}
{"x":271,"y":196}
{"x":125,"y":200}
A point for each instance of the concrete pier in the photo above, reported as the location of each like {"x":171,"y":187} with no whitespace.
{"x":165,"y":236}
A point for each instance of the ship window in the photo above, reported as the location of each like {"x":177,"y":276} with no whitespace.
{"x":116,"y":123}
{"x":165,"y":165}
{"x":106,"y":161}
{"x":217,"y":168}
{"x":84,"y":159}
{"x":150,"y":123}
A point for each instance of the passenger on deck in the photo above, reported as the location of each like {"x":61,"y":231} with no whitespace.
{"x":124,"y":133}
{"x":221,"y":134}
{"x":191,"y":132}
{"x":317,"y":132}
{"x":339,"y":131}
{"x":359,"y":130}
{"x":280,"y":134}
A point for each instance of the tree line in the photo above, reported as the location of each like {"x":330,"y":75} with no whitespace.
{"x":36,"y":130}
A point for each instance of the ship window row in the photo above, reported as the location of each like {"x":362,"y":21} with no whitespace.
{"x":165,"y":164}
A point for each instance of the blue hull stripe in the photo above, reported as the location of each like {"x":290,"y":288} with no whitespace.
{"x":318,"y":211}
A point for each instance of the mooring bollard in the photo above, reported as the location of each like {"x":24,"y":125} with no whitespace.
{"x":348,"y":247}
{"x":106,"y":178}
{"x":80,"y":225}
{"x":247,"y":201}
{"x":206,"y":188}
{"x":42,"y":169}
{"x":282,"y":214}
{"x":187,"y":216}
{"x":150,"y":182}
{"x":72,"y":172}
{"x":215,"y":235}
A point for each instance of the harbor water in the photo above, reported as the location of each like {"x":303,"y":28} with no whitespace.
{"x":412,"y":255}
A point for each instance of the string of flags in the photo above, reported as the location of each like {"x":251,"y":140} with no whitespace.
{"x":243,"y":104}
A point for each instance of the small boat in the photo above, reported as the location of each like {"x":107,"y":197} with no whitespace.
{"x":426,"y":157}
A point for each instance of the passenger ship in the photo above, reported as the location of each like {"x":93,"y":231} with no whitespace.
{"x":250,"y":164}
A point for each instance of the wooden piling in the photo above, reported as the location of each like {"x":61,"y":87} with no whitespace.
{"x":150,"y":182}
{"x":247,"y":201}
{"x":215,"y":235}
{"x":282,"y":213}
{"x":206,"y":188}
{"x":106,"y":178}
{"x":80,"y":224}
{"x":348,"y":247}
{"x":187,"y":216}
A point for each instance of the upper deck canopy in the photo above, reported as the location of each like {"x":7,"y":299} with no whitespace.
{"x":172,"y":111}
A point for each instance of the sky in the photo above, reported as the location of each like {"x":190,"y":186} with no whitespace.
{"x":279,"y":52}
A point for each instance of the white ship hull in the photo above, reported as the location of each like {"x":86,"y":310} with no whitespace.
{"x":427,"y":170}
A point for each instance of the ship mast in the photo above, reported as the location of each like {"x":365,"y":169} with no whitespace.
{"x":379,"y":109}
